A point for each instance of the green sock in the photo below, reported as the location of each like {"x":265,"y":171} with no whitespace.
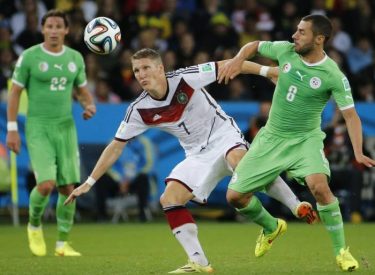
{"x":37,"y":204}
{"x":258,"y":214}
{"x":331,"y":217}
{"x":65,"y":217}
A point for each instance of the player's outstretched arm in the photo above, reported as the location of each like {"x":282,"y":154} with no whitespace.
{"x":110,"y":154}
{"x":353,"y":123}
{"x":87,"y":102}
{"x":233,"y":67}
{"x":249,"y":67}
{"x":13,"y":140}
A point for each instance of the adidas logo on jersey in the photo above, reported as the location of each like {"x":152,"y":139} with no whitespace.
{"x":156,"y":117}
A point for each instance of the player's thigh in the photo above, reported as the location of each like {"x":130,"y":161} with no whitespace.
{"x":176,"y":193}
{"x":67,"y":156}
{"x":201,"y":173}
{"x":261,"y":164}
{"x":41,"y":152}
{"x":310,"y":159}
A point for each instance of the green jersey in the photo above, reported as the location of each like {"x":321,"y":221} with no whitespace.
{"x":49,"y":79}
{"x":303,"y":90}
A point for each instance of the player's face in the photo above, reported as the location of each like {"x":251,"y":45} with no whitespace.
{"x":303,"y":38}
{"x":54,"y":31}
{"x":148,"y":73}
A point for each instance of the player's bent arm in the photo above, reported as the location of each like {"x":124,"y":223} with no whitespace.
{"x":233,"y":67}
{"x":87,"y":102}
{"x":13,"y":140}
{"x":110,"y":154}
{"x":249,"y":67}
{"x":354,"y":125}
{"x":108,"y":157}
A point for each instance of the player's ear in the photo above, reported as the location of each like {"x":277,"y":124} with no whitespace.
{"x":319,"y":39}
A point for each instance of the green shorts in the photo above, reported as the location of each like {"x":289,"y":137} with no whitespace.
{"x":270,"y":155}
{"x":53,"y":151}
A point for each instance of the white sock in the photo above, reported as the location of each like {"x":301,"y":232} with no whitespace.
{"x":187,"y":235}
{"x":59,"y":244}
{"x":280,"y":191}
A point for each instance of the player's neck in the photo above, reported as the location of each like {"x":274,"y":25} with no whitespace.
{"x":53,"y":48}
{"x":314,"y":56}
{"x":160,"y":91}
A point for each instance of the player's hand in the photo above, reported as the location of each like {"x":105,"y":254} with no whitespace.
{"x":229,"y":70}
{"x":84,"y":188}
{"x":13,"y":141}
{"x":368,"y":162}
{"x":89,"y":111}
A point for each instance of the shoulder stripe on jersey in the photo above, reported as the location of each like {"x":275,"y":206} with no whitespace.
{"x":130,"y":109}
{"x":193,"y":69}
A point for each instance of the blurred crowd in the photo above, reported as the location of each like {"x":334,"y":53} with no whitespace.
{"x":189,"y":32}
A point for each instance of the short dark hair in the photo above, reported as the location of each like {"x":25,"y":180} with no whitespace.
{"x":55,"y":13}
{"x":147,"y":53}
{"x":321,"y":25}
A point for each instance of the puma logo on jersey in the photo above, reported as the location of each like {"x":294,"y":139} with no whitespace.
{"x":57,"y":66}
{"x":301,"y":76}
{"x":156,"y":117}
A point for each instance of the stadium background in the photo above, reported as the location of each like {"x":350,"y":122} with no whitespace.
{"x":186,"y":33}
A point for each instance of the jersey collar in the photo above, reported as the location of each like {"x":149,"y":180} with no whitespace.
{"x":316,"y":63}
{"x":52,"y":53}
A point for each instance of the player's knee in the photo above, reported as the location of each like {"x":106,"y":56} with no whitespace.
{"x":45,"y":188}
{"x":66,"y":190}
{"x":236,"y":199}
{"x":322,"y":193}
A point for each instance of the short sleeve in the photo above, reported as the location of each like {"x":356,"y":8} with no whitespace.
{"x":81,"y":75}
{"x":273,"y":50}
{"x":21,"y":71}
{"x":342,"y":92}
{"x":131,"y":126}
{"x":197,"y":76}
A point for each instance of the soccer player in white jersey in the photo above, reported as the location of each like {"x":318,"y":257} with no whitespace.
{"x":307,"y":80}
{"x":177,"y":103}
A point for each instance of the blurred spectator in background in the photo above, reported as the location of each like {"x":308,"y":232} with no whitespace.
{"x":258,"y":121}
{"x":340,"y":39}
{"x":30,"y":36}
{"x":27,"y":8}
{"x":170,"y":61}
{"x":121,"y":77}
{"x":346,"y":174}
{"x":103,"y":93}
{"x":132,"y":173}
{"x":6,"y":70}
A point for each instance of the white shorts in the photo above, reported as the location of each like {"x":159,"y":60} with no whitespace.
{"x":201,"y":172}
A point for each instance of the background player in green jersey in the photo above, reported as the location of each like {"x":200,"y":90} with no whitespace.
{"x":48,"y":72}
{"x":292,"y":139}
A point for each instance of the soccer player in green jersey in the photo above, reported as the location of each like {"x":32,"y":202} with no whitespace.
{"x":48,"y":71}
{"x":292,"y":139}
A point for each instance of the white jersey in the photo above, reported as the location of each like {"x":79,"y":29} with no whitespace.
{"x":187,"y":111}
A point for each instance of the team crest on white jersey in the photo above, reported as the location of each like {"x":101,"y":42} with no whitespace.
{"x":182,"y":98}
{"x":287,"y":67}
{"x":315,"y":82}
{"x":43,"y":66}
{"x":72,"y":67}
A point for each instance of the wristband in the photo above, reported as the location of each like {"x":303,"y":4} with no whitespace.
{"x":90,"y":181}
{"x":264,"y":70}
{"x":12,"y":126}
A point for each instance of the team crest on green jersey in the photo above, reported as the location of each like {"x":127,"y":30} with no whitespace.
{"x":43,"y":66}
{"x":287,"y":67}
{"x":182,"y":98}
{"x":315,"y":82}
{"x":72,"y":67}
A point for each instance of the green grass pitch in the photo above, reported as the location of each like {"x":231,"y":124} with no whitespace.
{"x":133,"y":248}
